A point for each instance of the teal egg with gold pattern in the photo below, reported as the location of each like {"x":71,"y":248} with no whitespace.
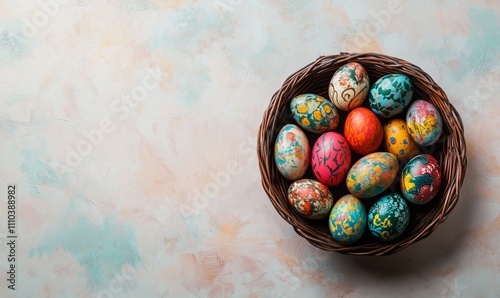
{"x":347,"y":220}
{"x":314,"y":113}
{"x":390,"y":95}
{"x":388,"y":217}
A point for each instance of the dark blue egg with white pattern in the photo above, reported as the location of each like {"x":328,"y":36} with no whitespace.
{"x":389,"y":217}
{"x":390,"y":95}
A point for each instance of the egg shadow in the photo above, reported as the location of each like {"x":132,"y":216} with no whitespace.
{"x":442,"y":247}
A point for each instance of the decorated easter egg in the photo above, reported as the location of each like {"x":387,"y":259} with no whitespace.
{"x":331,"y":158}
{"x":398,"y":141}
{"x":291,"y":152}
{"x":363,"y":131}
{"x":421,"y":179}
{"x":390,"y":95}
{"x":424,"y":122}
{"x":388,"y":217}
{"x":349,"y":86}
{"x":314,"y":113}
{"x":310,"y":198}
{"x":372,"y":174}
{"x":347,"y":220}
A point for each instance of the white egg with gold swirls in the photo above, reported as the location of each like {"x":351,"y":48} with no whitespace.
{"x":349,"y":86}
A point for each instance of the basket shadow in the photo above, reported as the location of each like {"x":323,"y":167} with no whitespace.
{"x":442,"y":247}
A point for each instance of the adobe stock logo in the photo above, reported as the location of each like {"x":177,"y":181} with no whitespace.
{"x":122,"y":107}
{"x":226,"y":5}
{"x":40,"y":19}
{"x":483,"y":92}
{"x":199,"y":199}
{"x":381,"y":19}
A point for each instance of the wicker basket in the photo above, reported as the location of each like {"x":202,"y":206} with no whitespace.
{"x":449,"y":151}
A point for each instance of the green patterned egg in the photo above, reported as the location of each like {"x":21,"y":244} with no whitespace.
{"x":389,"y":217}
{"x":390,"y":95}
{"x":314,"y":113}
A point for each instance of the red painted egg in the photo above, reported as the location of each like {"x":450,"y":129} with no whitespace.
{"x":310,"y":198}
{"x":331,"y":158}
{"x":421,"y":179}
{"x":363,"y":131}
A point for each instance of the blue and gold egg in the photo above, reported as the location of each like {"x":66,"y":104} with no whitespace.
{"x":398,"y":141}
{"x":372,"y":174}
{"x":388,"y":217}
{"x":314,"y":113}
{"x":347,"y":220}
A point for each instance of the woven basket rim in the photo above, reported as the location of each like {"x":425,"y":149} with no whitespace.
{"x":451,"y":149}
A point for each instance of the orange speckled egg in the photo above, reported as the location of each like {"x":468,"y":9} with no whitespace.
{"x":363,"y":131}
{"x":398,"y":141}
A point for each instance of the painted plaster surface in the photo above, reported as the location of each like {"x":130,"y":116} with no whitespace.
{"x":129,"y":129}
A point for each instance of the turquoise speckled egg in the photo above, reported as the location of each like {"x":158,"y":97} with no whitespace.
{"x":292,"y":152}
{"x":347,"y":220}
{"x":314,"y":113}
{"x":372,"y":174}
{"x":389,"y":217}
{"x":424,"y":123}
{"x":390,"y":95}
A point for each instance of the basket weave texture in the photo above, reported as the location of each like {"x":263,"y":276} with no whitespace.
{"x":450,"y":151}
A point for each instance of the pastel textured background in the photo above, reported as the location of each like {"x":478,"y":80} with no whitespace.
{"x":165,"y":200}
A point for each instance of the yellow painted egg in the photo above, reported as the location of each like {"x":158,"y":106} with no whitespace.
{"x":398,"y":141}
